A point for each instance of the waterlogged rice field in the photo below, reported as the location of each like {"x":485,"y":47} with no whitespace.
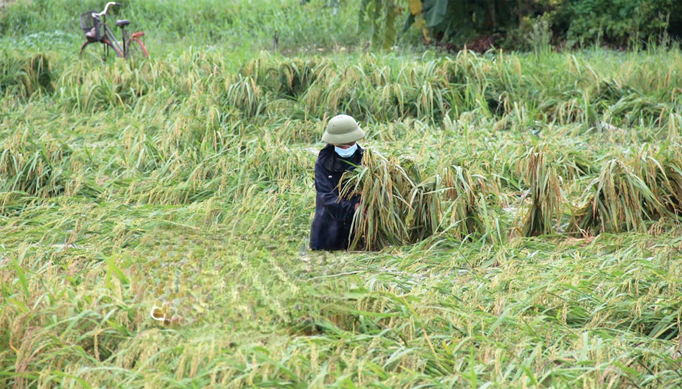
{"x":182,"y":188}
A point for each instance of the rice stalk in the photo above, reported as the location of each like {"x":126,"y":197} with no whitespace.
{"x":25,"y":76}
{"x":37,"y":169}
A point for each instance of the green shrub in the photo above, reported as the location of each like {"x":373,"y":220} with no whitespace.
{"x":617,"y":21}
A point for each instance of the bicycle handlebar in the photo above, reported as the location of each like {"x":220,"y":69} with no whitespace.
{"x":106,"y":9}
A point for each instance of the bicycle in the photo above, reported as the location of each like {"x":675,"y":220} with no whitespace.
{"x":96,"y":30}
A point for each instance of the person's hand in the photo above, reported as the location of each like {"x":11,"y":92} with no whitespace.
{"x":357,"y":206}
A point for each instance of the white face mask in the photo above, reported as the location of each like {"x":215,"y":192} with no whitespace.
{"x":346,"y":153}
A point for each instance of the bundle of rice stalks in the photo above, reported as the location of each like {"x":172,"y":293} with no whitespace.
{"x":634,"y":108}
{"x":346,"y":92}
{"x":400,"y":207}
{"x":425,"y":216}
{"x":628,"y":104}
{"x":296,"y":76}
{"x":619,"y":199}
{"x":673,"y":197}
{"x":245,"y":95}
{"x":546,"y":196}
{"x":385,"y":188}
{"x":28,"y":75}
{"x":611,"y":90}
{"x":15,"y":202}
{"x":546,"y":171}
{"x":663,"y":175}
{"x":36,"y":169}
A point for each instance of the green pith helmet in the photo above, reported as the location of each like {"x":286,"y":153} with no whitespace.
{"x":341,"y":130}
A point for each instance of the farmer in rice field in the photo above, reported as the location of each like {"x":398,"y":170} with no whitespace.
{"x":334,"y":215}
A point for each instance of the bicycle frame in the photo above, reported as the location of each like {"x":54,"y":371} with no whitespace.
{"x":112,"y":38}
{"x":122,"y":47}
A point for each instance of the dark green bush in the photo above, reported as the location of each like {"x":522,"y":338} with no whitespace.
{"x":618,"y":21}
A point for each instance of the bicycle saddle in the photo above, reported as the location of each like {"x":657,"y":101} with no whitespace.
{"x":122,"y":23}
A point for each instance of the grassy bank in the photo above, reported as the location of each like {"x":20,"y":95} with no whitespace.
{"x":177,"y":25}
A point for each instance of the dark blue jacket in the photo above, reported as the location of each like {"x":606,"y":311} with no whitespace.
{"x":333,"y":215}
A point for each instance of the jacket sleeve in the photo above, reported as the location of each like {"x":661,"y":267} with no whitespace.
{"x":339,"y":208}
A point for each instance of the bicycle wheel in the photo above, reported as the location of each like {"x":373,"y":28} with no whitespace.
{"x":136,"y":49}
{"x":105,"y":42}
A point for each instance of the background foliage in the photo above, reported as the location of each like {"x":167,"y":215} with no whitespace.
{"x":576,"y":21}
{"x":518,"y":24}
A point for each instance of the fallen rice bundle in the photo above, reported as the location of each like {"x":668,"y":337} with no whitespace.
{"x":547,"y":197}
{"x":463,"y":192}
{"x":619,"y":200}
{"x":34,"y":168}
{"x":400,"y":207}
{"x":625,"y":195}
{"x":25,"y":75}
{"x":548,"y":172}
{"x":663,"y":175}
